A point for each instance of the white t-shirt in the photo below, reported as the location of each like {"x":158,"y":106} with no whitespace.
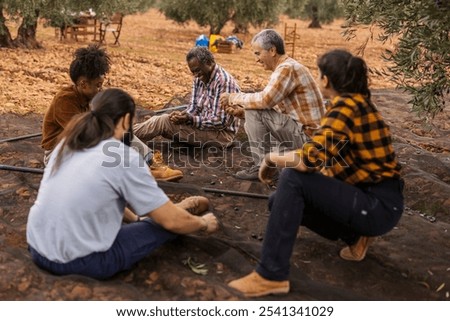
{"x":79,"y":208}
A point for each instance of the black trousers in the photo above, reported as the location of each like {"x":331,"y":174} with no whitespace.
{"x":330,"y":208}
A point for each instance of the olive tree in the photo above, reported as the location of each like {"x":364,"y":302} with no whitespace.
{"x":421,"y":59}
{"x":318,"y":11}
{"x":263,"y":13}
{"x":58,"y":12}
{"x":215,"y":14}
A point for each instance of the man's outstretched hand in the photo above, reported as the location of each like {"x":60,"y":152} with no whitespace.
{"x":224,"y":100}
{"x":235,"y":110}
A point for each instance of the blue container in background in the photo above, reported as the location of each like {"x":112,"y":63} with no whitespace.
{"x":238,"y":42}
{"x":202,"y":41}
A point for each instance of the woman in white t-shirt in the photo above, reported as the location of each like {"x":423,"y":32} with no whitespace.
{"x":91,"y":181}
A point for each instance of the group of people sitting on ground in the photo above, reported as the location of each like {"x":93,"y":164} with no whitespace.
{"x":99,"y":209}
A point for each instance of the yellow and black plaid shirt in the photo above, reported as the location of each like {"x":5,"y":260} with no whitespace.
{"x":353,"y":144}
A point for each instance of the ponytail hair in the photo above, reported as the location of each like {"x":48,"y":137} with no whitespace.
{"x":345,"y":72}
{"x":88,"y":129}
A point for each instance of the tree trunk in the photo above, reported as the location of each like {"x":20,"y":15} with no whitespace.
{"x":315,"y":23}
{"x":26,"y":35}
{"x":214,"y":30}
{"x":240,"y":28}
{"x":5,"y":36}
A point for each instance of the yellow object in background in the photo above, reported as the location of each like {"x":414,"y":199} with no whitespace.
{"x":213,"y":39}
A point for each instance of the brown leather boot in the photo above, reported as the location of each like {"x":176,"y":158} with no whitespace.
{"x":357,"y":252}
{"x":165,"y":173}
{"x":195,"y":204}
{"x":162,"y":172}
{"x":254,"y":285}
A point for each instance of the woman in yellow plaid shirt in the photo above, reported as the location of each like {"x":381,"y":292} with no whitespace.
{"x":345,"y":184}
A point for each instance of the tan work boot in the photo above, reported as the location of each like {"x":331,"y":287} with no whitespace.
{"x":162,"y":172}
{"x":357,"y":252}
{"x":254,"y":285}
{"x":195,"y":204}
{"x":165,"y":173}
{"x":158,"y":159}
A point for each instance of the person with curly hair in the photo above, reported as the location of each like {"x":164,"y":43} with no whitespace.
{"x":87,"y":72}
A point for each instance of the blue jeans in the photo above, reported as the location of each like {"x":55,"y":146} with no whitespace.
{"x":134,"y":242}
{"x":330,"y":208}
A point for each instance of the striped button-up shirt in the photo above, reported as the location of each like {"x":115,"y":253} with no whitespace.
{"x":205,"y":108}
{"x":353,"y":144}
{"x":292,"y":91}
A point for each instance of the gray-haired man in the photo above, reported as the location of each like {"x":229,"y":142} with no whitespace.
{"x":289,"y":108}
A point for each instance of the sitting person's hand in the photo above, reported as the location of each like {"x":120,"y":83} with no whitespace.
{"x":267,"y":170}
{"x":212,"y":224}
{"x":236,"y":111}
{"x":179,"y":117}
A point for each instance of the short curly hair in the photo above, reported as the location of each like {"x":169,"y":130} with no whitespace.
{"x":91,"y":62}
{"x":203,"y":55}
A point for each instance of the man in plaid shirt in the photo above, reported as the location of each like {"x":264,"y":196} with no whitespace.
{"x":358,"y":194}
{"x":289,"y":108}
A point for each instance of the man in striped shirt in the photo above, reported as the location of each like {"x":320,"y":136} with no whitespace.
{"x":205,"y":121}
{"x":289,"y":108}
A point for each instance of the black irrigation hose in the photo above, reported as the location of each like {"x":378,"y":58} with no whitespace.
{"x":162,"y":184}
{"x":185,"y":186}
{"x":22,"y":169}
{"x":156,"y":112}
{"x":13,"y":139}
{"x":235,"y":193}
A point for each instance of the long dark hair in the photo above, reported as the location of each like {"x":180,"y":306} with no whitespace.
{"x":346,"y":73}
{"x":86,"y":130}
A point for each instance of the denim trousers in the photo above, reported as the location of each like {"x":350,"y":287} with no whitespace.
{"x":134,"y":242}
{"x":330,"y":208}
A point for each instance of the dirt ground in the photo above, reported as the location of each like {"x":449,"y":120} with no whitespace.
{"x":412,"y":262}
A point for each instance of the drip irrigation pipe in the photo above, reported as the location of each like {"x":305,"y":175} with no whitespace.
{"x":21,"y":169}
{"x":13,"y":139}
{"x":161,"y":184}
{"x":151,"y":112}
